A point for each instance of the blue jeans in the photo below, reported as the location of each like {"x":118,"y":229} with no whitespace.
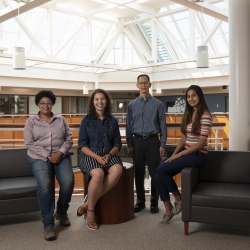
{"x":166,"y":170}
{"x":44,"y":172}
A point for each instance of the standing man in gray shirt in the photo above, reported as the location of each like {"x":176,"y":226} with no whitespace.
{"x":145,"y":121}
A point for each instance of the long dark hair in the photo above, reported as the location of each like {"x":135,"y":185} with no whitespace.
{"x":91,"y":108}
{"x":187,"y":117}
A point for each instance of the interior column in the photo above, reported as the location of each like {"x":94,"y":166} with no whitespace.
{"x":239,"y":75}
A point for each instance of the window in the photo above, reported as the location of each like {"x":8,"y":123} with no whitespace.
{"x":18,"y":104}
{"x":73,"y":105}
{"x":4,"y":102}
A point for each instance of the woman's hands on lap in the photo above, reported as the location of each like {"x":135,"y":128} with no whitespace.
{"x":103,"y":160}
{"x":55,"y":157}
{"x":173,"y":157}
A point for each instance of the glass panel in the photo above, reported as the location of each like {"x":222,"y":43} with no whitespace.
{"x":82,"y":104}
{"x":57,"y":108}
{"x":4,"y":101}
{"x":33,"y":109}
{"x":74,"y":105}
{"x":69,"y":105}
{"x":18,"y":104}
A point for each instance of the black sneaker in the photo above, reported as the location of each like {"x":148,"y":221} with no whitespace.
{"x":63,"y":218}
{"x":49,"y":233}
{"x":154,"y":209}
{"x":138,"y":207}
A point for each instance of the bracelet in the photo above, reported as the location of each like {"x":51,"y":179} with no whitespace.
{"x":110,"y":154}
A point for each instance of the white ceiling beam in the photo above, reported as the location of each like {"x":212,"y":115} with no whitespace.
{"x":141,"y":40}
{"x":171,"y":38}
{"x":102,"y":8}
{"x":31,"y":36}
{"x":140,"y":8}
{"x":191,"y":32}
{"x":153,"y":41}
{"x":79,"y":14}
{"x":23,"y":9}
{"x":211,"y":32}
{"x":166,"y":13}
{"x":135,"y":43}
{"x":103,"y":47}
{"x":206,"y":8}
{"x":63,"y":62}
{"x":110,"y":46}
{"x":70,"y":38}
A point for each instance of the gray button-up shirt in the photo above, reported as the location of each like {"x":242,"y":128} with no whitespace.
{"x":146,"y":117}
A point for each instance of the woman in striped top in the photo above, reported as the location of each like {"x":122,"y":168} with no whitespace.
{"x":191,"y":150}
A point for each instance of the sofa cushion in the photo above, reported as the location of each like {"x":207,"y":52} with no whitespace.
{"x":14,"y":163}
{"x":222,"y":195}
{"x":18,"y":187}
{"x":226,"y":166}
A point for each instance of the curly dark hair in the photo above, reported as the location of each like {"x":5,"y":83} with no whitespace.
{"x":187,"y":117}
{"x":45,"y":93}
{"x":91,"y":108}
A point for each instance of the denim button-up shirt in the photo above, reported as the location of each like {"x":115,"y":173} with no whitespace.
{"x":99,"y":135}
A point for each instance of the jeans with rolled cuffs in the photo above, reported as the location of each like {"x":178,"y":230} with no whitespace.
{"x":45,"y":172}
{"x":166,"y":170}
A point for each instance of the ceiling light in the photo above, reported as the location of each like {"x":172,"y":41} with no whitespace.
{"x":85,"y":89}
{"x":158,"y":87}
{"x":19,"y":58}
{"x":202,"y":57}
{"x":19,"y":53}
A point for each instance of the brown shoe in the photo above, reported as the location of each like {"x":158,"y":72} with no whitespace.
{"x":63,"y":218}
{"x":92,"y":224}
{"x":49,"y":233}
{"x":81,"y":211}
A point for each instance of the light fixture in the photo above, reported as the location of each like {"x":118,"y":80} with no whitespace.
{"x":85,"y":89}
{"x":158,"y":87}
{"x":19,"y":52}
{"x":202,"y":57}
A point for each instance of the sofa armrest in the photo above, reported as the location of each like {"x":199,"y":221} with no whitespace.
{"x":189,"y":179}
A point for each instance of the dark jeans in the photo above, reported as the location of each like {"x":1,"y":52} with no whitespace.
{"x":44,"y":172}
{"x":166,"y":170}
{"x":146,"y":150}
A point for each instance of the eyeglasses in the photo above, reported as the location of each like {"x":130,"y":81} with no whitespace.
{"x":45,"y":104}
{"x":143,"y":83}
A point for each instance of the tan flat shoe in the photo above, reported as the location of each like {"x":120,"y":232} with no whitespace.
{"x":80,"y":210}
{"x":92,"y":224}
{"x":165,"y":219}
{"x":176,"y":209}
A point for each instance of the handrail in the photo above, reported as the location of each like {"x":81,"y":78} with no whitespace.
{"x":124,"y":115}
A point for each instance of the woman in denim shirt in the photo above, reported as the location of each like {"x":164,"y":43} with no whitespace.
{"x":99,"y":142}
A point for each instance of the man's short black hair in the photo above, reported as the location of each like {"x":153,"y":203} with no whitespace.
{"x":143,"y":75}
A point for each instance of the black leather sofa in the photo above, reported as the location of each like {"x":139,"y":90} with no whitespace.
{"x":18,"y":188}
{"x":219,"y":192}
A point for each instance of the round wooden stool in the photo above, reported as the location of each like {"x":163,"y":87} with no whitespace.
{"x":117,"y":205}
